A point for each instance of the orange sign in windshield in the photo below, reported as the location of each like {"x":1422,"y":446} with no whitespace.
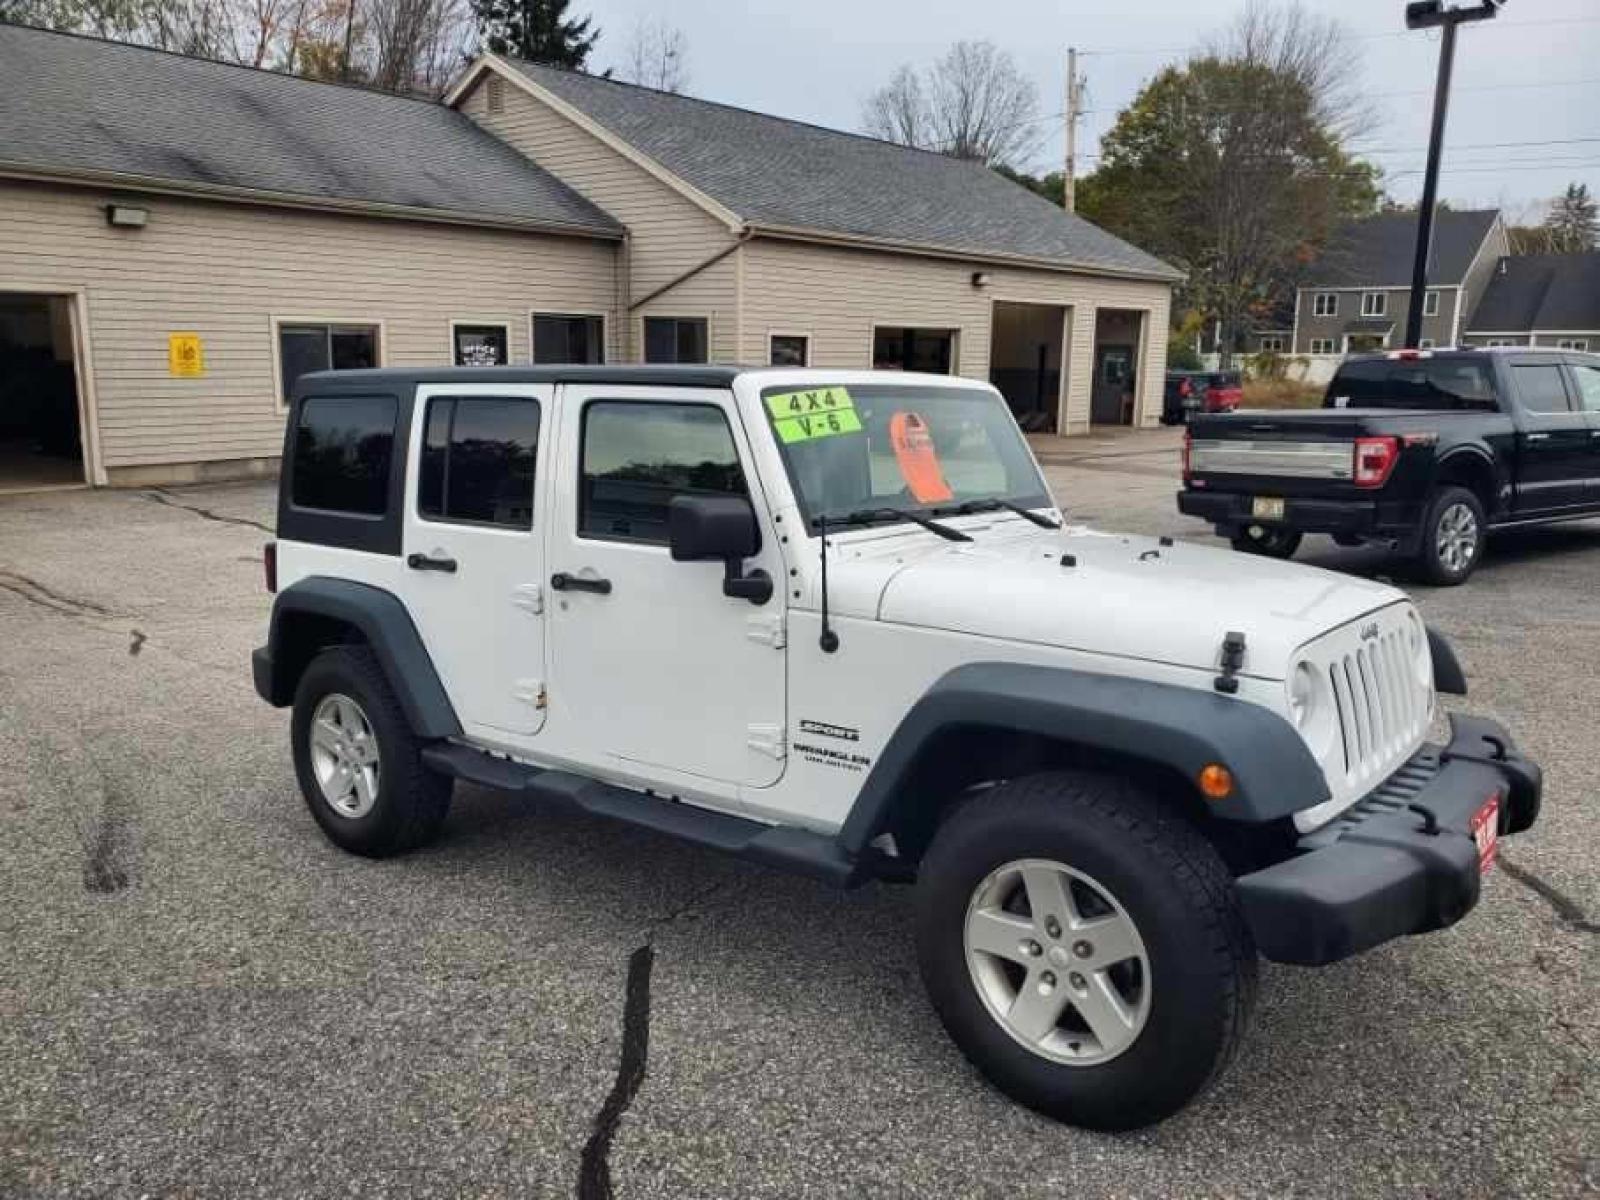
{"x":918,"y":460}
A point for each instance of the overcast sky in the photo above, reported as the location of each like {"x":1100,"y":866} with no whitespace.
{"x":1530,"y":78}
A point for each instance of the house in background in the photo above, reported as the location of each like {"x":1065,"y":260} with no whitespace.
{"x":180,"y":240}
{"x":1358,"y":295}
{"x":1540,"y":300}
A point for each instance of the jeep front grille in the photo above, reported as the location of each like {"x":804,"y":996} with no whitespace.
{"x":1382,"y":709}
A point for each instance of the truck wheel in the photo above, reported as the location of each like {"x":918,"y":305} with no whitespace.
{"x":1266,"y":541}
{"x":1083,"y":948}
{"x":359,"y":764}
{"x":1452,"y":537}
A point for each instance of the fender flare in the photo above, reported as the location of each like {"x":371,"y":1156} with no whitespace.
{"x":1447,"y":673}
{"x":387,"y":628}
{"x":1181,"y":728}
{"x":1484,"y":458}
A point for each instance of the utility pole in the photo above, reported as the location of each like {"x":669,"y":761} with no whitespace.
{"x":1069,"y":200}
{"x":1428,"y":14}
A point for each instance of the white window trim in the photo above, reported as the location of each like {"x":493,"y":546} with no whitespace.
{"x":275,"y":324}
{"x":605,"y":345}
{"x":1327,"y":342}
{"x":958,"y":333}
{"x":1316,"y":302}
{"x":789,"y":333}
{"x":672,"y":314}
{"x":1276,"y":346}
{"x":1579,"y":344}
{"x":457,"y":322}
{"x":1430,"y":302}
{"x":1383,"y":304}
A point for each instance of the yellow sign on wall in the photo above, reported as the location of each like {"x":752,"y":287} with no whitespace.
{"x":186,"y":358}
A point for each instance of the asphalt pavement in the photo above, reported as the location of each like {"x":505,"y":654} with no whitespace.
{"x":199,"y":996}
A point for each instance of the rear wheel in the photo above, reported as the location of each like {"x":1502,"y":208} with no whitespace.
{"x":1453,"y":534}
{"x":1083,"y":948}
{"x":1267,"y":541}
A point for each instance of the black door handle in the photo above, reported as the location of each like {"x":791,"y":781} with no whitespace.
{"x":421,"y":562}
{"x":562,"y":582}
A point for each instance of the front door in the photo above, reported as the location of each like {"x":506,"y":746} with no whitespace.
{"x":475,"y":517}
{"x":1553,"y":468}
{"x":1111,"y":403}
{"x":651,"y":665}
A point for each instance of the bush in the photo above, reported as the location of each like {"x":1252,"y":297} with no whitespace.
{"x":1181,"y":355}
{"x":1281,"y":393}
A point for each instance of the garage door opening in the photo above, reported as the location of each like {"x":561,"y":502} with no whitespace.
{"x":902,"y":348}
{"x":41,"y":441}
{"x":1025,"y":361}
{"x":1114,"y":398}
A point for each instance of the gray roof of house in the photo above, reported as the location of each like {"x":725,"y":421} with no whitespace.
{"x":775,"y":172}
{"x":1548,"y":292}
{"x":82,"y":106}
{"x":1378,"y":251}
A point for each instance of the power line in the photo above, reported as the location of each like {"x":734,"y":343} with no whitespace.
{"x":1358,"y":37}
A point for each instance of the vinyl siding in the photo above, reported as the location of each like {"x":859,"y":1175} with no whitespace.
{"x":839,"y":295}
{"x":1437,"y":328}
{"x":669,"y":234}
{"x":225,"y":271}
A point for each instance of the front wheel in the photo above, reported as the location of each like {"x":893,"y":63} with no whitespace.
{"x":1452,"y":537}
{"x":1084,"y":949}
{"x":1266,"y":541}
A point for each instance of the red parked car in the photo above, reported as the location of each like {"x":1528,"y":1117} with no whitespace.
{"x":1223,"y":391}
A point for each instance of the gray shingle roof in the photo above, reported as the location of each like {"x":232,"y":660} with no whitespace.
{"x":76,"y":104}
{"x":776,"y":172}
{"x":1377,"y":252}
{"x":1556,"y":293}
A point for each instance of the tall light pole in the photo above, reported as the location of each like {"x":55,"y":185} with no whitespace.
{"x":1069,"y":191}
{"x":1428,"y":14}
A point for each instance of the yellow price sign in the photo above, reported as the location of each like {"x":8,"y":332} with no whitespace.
{"x":186,"y":357}
{"x":813,"y":413}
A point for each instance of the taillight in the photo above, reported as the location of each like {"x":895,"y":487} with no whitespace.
{"x":1185,"y":389}
{"x":1374,"y":460}
{"x":1188,"y":445}
{"x":269,"y":564}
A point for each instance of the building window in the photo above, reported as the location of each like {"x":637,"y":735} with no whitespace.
{"x":1325,"y":304}
{"x":477,"y":461}
{"x":303,"y":348}
{"x":480,"y":345}
{"x":897,"y":348}
{"x":789,"y":350}
{"x":1572,"y":343}
{"x":675,"y":340}
{"x":560,"y":338}
{"x":1493,"y":342}
{"x":638,"y":456}
{"x":1430,"y":304}
{"x":494,"y":95}
{"x":342,"y":450}
{"x":1425,"y":344}
{"x":1272,"y":345}
{"x":1322,"y":345}
{"x":1374,"y":304}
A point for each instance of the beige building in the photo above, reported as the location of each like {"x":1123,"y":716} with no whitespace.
{"x":181,"y":239}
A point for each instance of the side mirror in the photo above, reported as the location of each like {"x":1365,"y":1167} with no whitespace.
{"x":707,"y":528}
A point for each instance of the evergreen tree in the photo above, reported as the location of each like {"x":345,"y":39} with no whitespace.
{"x":536,"y":30}
{"x":1573,"y":225}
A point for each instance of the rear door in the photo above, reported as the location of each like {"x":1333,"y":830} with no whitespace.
{"x":1554,"y":463}
{"x":475,"y":514}
{"x":1586,"y":383}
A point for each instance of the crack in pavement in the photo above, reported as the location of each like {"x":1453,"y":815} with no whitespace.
{"x":161,"y":497}
{"x":1567,"y":910}
{"x":44,"y":597}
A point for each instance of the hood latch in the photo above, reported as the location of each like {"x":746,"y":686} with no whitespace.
{"x":1232,"y":660}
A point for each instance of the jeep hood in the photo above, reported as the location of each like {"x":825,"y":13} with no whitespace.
{"x":1123,"y":596}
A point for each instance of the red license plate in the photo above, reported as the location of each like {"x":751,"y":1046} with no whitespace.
{"x":1485,"y":830}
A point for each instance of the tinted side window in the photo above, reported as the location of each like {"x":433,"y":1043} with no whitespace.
{"x":1588,"y":387}
{"x":343,"y":449}
{"x":1541,"y":388}
{"x":1436,"y":383}
{"x":637,"y":457}
{"x":478,"y":461}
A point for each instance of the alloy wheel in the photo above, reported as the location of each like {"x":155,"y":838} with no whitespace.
{"x":344,"y":756}
{"x":1457,"y":538}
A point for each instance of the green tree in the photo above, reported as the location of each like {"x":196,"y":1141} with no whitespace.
{"x":536,"y":30}
{"x":1573,"y":226}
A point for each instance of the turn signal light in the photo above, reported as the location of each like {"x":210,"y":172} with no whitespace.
{"x":1216,"y":781}
{"x":1375,"y":458}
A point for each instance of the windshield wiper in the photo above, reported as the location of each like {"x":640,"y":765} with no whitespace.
{"x":865,"y":516}
{"x":990,"y":503}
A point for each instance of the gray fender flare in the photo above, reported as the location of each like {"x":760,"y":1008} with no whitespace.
{"x":1447,"y":673}
{"x":1181,"y":728}
{"x":386,"y":627}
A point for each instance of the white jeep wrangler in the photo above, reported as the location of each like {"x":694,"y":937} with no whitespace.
{"x":831,"y":621}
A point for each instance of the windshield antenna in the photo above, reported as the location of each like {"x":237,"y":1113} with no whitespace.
{"x":829,"y":641}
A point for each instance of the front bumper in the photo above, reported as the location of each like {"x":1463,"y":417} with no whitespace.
{"x":1399,"y":861}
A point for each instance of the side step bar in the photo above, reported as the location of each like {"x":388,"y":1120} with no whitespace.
{"x":789,"y":849}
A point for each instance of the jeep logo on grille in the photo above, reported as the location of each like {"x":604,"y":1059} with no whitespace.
{"x":1369,"y":631}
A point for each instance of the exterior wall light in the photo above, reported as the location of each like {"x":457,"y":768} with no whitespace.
{"x":126,"y":217}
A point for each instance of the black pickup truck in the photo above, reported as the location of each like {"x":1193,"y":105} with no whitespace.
{"x":1423,"y":451}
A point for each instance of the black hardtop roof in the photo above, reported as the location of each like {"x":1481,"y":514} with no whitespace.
{"x":325,"y":383}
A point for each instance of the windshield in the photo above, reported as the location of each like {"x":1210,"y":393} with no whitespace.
{"x":905,"y":446}
{"x":1439,"y":383}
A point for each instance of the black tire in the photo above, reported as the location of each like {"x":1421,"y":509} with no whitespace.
{"x":1268,"y":542}
{"x":1435,"y":563}
{"x":411,"y":802}
{"x":1171,"y":884}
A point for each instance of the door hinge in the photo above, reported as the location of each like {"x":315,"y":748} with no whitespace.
{"x":766,"y":739}
{"x":529,"y":691}
{"x":529,"y":597}
{"x":768,"y":629}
